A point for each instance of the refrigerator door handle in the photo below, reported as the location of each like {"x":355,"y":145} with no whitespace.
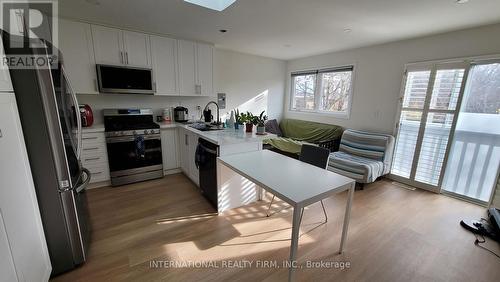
{"x":77,"y":113}
{"x":85,"y":182}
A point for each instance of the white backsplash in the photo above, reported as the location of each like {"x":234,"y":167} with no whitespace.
{"x":157,"y":103}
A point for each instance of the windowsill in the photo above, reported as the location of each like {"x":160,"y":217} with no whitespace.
{"x":319,"y":113}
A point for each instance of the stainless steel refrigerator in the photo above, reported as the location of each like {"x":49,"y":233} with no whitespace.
{"x":51,"y":124}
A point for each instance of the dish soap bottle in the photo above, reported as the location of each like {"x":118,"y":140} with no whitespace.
{"x":231,"y":121}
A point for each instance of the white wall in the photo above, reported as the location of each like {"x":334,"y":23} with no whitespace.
{"x":242,"y":77}
{"x":379,"y":71}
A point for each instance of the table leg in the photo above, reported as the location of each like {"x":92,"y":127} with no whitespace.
{"x":347,"y":217}
{"x":294,"y":243}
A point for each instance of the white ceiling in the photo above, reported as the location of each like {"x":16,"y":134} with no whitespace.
{"x":288,"y":29}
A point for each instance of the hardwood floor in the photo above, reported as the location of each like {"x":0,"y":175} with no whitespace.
{"x":394,"y":235}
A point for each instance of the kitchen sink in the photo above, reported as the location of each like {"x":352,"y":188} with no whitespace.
{"x":205,"y":127}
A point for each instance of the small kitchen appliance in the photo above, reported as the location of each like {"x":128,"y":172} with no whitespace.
{"x":180,"y":114}
{"x":86,"y":115}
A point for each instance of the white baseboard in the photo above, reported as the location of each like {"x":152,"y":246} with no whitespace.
{"x":171,"y":171}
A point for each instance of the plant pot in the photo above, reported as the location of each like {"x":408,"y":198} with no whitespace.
{"x":249,"y":127}
{"x":261,"y":129}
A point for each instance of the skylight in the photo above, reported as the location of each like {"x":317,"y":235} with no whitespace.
{"x":217,"y":5}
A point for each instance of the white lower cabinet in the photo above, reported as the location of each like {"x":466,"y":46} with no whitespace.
{"x":169,"y":149}
{"x":95,"y":156}
{"x":193,"y":170}
{"x":187,"y":150}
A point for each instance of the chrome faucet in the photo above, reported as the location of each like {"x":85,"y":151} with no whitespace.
{"x":217,"y":105}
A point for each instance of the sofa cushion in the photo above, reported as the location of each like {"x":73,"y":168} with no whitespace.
{"x":273,"y":127}
{"x":363,"y":170}
{"x":308,"y":131}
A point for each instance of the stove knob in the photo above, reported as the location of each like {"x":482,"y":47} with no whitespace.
{"x":145,"y":131}
{"x":134,"y":133}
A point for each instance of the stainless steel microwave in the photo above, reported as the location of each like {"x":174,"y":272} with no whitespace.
{"x":121,"y":79}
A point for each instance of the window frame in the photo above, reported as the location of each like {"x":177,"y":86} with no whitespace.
{"x":318,"y":87}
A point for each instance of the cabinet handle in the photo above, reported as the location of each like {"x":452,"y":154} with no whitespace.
{"x":98,"y":172}
{"x":126,"y":56}
{"x":92,"y":159}
{"x":122,"y":60}
{"x":154,"y":86}
{"x":90,"y":149}
{"x":89,"y":138}
{"x":186,"y":139}
{"x":96,"y":86}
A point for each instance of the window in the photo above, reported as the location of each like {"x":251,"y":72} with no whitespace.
{"x":322,"y":91}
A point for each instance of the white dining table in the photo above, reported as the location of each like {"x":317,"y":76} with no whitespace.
{"x":297,"y":183}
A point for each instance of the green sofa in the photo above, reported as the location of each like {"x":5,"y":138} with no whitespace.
{"x":292,"y":133}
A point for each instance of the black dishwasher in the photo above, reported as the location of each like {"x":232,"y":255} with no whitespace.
{"x":206,"y":162}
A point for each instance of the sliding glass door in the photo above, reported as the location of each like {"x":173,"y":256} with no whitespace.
{"x":448,"y":134}
{"x":432,"y":95}
{"x":472,"y":165}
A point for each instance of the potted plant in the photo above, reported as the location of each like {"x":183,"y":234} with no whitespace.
{"x":261,"y":123}
{"x":250,"y":120}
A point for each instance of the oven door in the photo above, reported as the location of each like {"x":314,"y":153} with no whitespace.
{"x":134,"y":154}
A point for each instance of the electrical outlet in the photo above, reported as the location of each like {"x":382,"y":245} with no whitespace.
{"x":198,"y":107}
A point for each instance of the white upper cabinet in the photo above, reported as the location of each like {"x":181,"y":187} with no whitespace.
{"x":75,"y":43}
{"x":107,"y":45}
{"x":164,"y":62}
{"x":187,"y":68}
{"x":118,"y":47}
{"x":204,"y":56}
{"x":195,"y":68}
{"x":136,"y":48}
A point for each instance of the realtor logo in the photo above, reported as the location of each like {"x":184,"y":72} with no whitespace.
{"x":31,"y":34}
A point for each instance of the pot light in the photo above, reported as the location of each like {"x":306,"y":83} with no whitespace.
{"x":461,"y":1}
{"x":347,"y":30}
{"x":218,"y":5}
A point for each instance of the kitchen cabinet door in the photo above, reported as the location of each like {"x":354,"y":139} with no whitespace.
{"x":108,"y":46}
{"x":193,"y":170}
{"x":19,"y":212}
{"x":204,"y":57}
{"x":187,"y":68}
{"x":137,"y":49}
{"x":184,"y":150}
{"x":169,"y":148}
{"x":164,"y":61}
{"x":75,"y":43}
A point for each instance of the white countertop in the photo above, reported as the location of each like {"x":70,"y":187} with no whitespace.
{"x":219,"y":137}
{"x":228,"y":136}
{"x":94,"y":128}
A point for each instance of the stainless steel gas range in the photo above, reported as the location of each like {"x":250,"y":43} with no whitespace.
{"x":134,"y":145}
